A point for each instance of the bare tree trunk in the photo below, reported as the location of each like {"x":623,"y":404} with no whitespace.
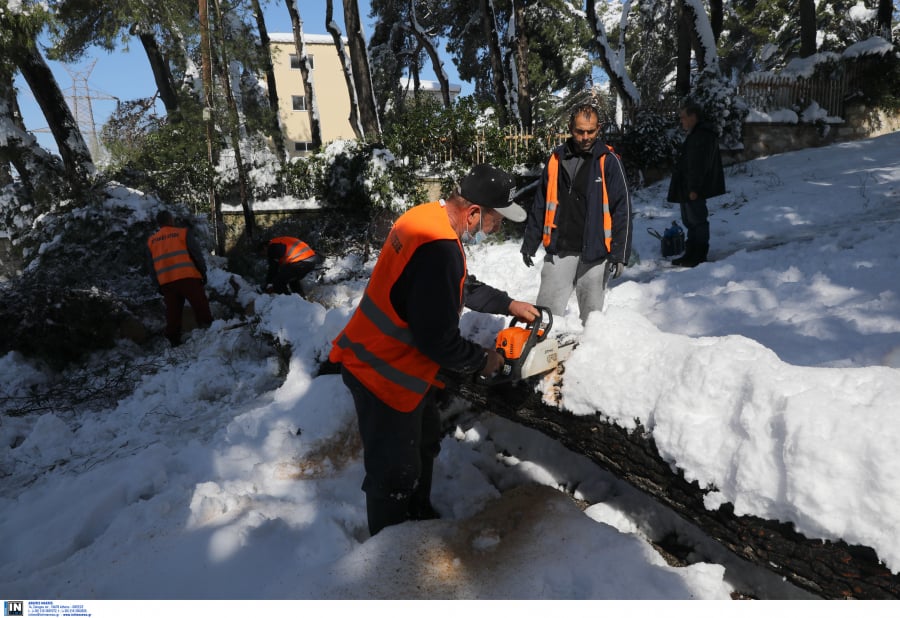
{"x":315,"y":126}
{"x":523,"y":84}
{"x":830,"y":569}
{"x":700,"y":31}
{"x":222,"y":64}
{"x":208,"y":110}
{"x":38,"y":170}
{"x":74,"y":151}
{"x":683,"y":60}
{"x":332,"y":27}
{"x":430,"y":48}
{"x":885,"y":16}
{"x":620,"y":82}
{"x":161,"y":73}
{"x":807,"y":10}
{"x":271,"y":86}
{"x":362,"y":72}
{"x":716,"y":18}
{"x":489,"y":27}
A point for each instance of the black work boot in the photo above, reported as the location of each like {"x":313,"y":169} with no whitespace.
{"x":384,"y":512}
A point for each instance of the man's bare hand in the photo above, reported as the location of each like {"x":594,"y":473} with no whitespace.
{"x":524,"y":311}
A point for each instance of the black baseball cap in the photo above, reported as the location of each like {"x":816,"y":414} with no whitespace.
{"x":493,"y":188}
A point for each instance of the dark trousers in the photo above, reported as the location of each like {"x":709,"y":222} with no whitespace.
{"x":174,"y":295}
{"x":398,"y":453}
{"x":695,"y":217}
{"x":289,"y":276}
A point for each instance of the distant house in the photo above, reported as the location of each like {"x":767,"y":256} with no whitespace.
{"x":327,"y":78}
{"x":429,"y":88}
{"x":329,"y":86}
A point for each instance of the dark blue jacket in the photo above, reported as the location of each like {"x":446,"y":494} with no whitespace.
{"x":593,"y":245}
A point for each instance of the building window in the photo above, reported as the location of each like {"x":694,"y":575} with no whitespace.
{"x":295,"y":61}
{"x":303,"y":146}
{"x":298,"y":103}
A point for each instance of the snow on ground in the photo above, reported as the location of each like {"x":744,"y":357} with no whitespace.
{"x":771,"y":374}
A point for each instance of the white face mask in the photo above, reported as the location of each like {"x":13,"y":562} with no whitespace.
{"x":479,"y":236}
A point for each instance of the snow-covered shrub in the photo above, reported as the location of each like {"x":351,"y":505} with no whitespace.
{"x":650,"y":142}
{"x":352,"y":175}
{"x":83,"y":277}
{"x":721,"y":106}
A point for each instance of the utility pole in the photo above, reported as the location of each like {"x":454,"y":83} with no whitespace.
{"x":208,"y":117}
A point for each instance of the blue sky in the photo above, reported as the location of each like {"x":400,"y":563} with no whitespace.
{"x":125,"y":74}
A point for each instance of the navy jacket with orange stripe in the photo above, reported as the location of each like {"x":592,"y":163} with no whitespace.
{"x":593,"y":248}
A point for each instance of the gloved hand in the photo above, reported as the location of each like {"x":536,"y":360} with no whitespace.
{"x":615,"y":269}
{"x":527,"y":259}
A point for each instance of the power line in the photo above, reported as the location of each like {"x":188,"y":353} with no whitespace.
{"x":81,"y":102}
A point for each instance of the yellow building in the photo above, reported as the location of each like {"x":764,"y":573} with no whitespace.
{"x":329,"y":86}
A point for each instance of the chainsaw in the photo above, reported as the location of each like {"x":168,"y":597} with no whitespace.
{"x":528,"y":350}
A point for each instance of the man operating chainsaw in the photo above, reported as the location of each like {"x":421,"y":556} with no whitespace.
{"x":406,"y":328}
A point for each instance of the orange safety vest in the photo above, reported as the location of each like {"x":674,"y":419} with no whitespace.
{"x":377,"y":346}
{"x":171,"y":259}
{"x":295,"y":249}
{"x":553,"y":201}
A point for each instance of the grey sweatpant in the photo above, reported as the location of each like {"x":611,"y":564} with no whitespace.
{"x":566,"y":272}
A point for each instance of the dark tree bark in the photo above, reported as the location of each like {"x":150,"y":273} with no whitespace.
{"x":331,"y":26}
{"x":76,"y":156}
{"x":161,"y":73}
{"x":716,"y":18}
{"x":616,"y":78}
{"x":38,"y":170}
{"x":885,"y":18}
{"x":221,"y":64}
{"x":498,"y":80}
{"x":826,"y":568}
{"x":807,"y":10}
{"x":683,"y":60}
{"x":362,"y":73}
{"x":315,"y":126}
{"x":271,"y":86}
{"x":690,"y":17}
{"x":523,"y":84}
{"x":212,"y":154}
{"x":428,"y":45}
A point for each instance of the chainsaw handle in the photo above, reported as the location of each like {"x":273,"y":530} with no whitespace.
{"x":536,"y":324}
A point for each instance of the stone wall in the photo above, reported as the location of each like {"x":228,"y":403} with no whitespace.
{"x":764,"y":139}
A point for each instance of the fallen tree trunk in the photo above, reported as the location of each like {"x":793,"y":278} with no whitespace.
{"x":826,"y":568}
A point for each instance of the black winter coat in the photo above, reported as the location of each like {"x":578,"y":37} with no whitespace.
{"x":699,"y":166}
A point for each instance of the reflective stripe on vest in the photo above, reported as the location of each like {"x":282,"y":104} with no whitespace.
{"x":171,"y":259}
{"x":295,"y":250}
{"x":552,"y":202}
{"x":377,"y":346}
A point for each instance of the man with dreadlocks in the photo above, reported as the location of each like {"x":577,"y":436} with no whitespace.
{"x":582,"y":216}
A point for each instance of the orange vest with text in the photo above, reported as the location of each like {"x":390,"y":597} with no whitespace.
{"x":171,"y":259}
{"x":377,"y":346}
{"x":295,"y":249}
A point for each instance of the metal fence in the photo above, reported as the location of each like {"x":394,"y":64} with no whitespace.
{"x":773,"y":92}
{"x":762,"y":92}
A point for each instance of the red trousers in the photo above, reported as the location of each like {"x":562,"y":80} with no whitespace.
{"x":174,"y":295}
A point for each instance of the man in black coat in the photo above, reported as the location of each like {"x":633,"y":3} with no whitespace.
{"x":698,"y":176}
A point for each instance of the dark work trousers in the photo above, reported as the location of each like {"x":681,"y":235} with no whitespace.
{"x":174,"y":295}
{"x":289,"y":276}
{"x":398,"y":453}
{"x":695,"y":216}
